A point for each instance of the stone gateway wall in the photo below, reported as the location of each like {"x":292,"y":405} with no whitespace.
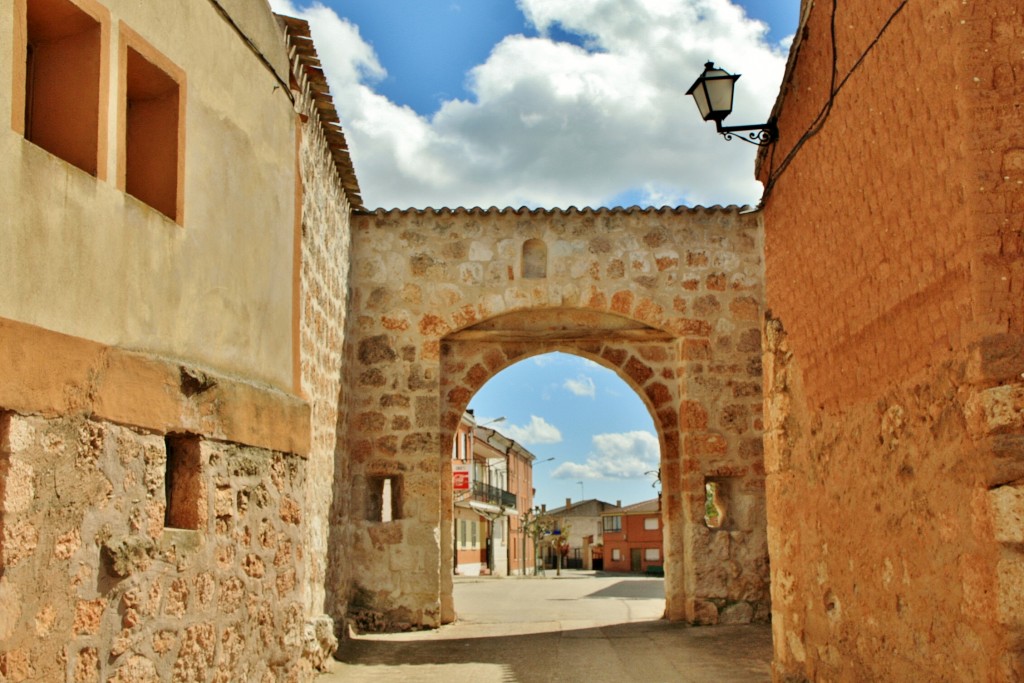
{"x":893,"y":352}
{"x":443,"y":300}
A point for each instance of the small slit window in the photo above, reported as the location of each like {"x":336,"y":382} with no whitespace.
{"x":63,"y":57}
{"x":384,"y":499}
{"x":152,"y":128}
{"x":714,"y":504}
{"x":183,"y":484}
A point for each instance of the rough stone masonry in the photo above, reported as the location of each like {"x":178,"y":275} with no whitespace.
{"x":669,"y":299}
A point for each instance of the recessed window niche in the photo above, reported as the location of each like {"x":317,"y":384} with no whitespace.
{"x":535,"y":259}
{"x":151,"y":150}
{"x":59,"y":106}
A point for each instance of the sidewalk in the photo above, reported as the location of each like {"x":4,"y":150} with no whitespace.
{"x":578,"y":627}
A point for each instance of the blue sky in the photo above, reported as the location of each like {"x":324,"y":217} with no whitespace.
{"x":546,"y":103}
{"x":428,"y":46}
{"x":583,"y":415}
{"x":551,"y":103}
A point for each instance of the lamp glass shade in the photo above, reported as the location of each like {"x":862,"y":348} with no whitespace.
{"x":713,"y":93}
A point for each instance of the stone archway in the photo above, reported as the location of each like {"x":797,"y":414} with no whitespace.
{"x":442,"y":300}
{"x":646,"y":359}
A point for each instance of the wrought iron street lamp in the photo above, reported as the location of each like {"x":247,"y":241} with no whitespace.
{"x":713,"y":93}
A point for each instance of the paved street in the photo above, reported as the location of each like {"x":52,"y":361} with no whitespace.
{"x":578,"y":627}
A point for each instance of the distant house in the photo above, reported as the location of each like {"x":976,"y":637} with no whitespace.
{"x":633,"y":538}
{"x":582,"y":522}
{"x":498,"y":479}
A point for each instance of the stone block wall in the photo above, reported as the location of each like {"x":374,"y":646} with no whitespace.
{"x":94,"y":587}
{"x":892,"y":352}
{"x":324,"y":273}
{"x":442,"y":300}
{"x":99,"y":580}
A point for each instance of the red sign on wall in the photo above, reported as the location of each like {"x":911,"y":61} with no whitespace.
{"x":460,"y":477}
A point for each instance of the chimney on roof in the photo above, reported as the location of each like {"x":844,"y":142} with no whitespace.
{"x":543,"y":508}
{"x":568,"y":502}
{"x":618,"y":503}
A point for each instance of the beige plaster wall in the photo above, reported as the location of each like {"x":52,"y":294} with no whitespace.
{"x":81,"y":257}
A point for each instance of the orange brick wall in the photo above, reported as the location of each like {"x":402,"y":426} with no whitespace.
{"x":894,"y":280}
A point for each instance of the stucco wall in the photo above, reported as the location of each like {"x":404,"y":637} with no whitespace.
{"x":669,"y":299}
{"x":81,"y":257}
{"x":893,"y":278}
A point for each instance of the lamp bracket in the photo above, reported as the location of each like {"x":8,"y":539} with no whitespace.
{"x":760,"y":135}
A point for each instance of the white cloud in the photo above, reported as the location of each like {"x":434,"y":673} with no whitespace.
{"x":581,"y":386}
{"x":628,"y":455}
{"x":538,"y":431}
{"x":553,"y":124}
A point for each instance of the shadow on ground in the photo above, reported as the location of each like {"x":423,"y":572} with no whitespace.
{"x":639,"y":651}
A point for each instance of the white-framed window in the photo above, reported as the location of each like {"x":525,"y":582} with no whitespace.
{"x":652,"y":554}
{"x":616,"y":554}
{"x":651,"y":523}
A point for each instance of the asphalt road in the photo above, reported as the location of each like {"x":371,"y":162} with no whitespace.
{"x":577,"y":627}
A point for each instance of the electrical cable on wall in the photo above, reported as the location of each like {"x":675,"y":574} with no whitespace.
{"x":834,"y":89}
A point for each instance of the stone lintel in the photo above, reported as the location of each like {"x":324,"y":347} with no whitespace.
{"x":53,"y":374}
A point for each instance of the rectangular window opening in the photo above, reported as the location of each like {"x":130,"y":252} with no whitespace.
{"x":151,"y":134}
{"x":651,"y":523}
{"x":652,"y":554}
{"x":462,"y":535}
{"x":384,"y":499}
{"x":613,"y":523}
{"x":183,"y":487}
{"x":62,"y":81}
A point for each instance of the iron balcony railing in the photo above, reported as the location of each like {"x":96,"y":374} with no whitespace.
{"x":492,"y":494}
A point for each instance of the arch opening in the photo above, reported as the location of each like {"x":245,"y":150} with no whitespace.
{"x":579,"y":438}
{"x":644,"y":362}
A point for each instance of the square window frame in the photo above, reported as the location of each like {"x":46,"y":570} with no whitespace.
{"x":19,"y":77}
{"x":128,"y":38}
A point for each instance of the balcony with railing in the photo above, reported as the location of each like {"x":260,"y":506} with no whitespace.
{"x":486,"y":493}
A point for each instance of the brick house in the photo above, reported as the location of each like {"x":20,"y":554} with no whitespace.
{"x":633,"y":538}
{"x":498,"y":476}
